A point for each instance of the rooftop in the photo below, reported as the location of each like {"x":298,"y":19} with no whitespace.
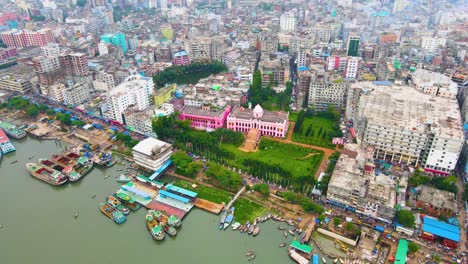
{"x":402,"y":251}
{"x":442,"y":229}
{"x":406,"y":108}
{"x":190,"y":110}
{"x":267,"y":116}
{"x":438,"y":198}
{"x":149,"y":146}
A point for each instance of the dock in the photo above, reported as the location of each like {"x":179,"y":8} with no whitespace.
{"x":308,"y":232}
{"x":208,"y":206}
{"x":235,"y":198}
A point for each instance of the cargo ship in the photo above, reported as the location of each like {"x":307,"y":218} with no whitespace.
{"x":68,"y":171}
{"x":5,"y":145}
{"x":12,"y":130}
{"x":46,"y":174}
{"x":62,"y":160}
{"x":83,"y":166}
{"x":117,"y":216}
{"x":154,"y":227}
{"x":128,"y":201}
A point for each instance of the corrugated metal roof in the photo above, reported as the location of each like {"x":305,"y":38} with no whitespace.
{"x":402,"y":251}
{"x":183,"y":191}
{"x":302,"y":247}
{"x":441,"y":229}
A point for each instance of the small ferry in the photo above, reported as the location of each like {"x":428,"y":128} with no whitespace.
{"x":5,"y":144}
{"x":174,"y":221}
{"x":123,"y":178}
{"x":46,"y":174}
{"x":117,"y":216}
{"x":116,"y":204}
{"x":154,"y":228}
{"x":128,"y":201}
{"x":168,"y":229}
{"x":12,"y":130}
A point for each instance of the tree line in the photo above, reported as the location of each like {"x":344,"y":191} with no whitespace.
{"x":188,"y":74}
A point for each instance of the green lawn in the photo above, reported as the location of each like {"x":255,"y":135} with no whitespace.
{"x":315,"y":138}
{"x":290,"y":157}
{"x":245,"y":209}
{"x":207,"y":193}
{"x":293,"y":117}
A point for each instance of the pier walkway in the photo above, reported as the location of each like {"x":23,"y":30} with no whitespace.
{"x":308,"y":232}
{"x":235,"y":198}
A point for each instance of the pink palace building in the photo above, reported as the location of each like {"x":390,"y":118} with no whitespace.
{"x":204,"y":118}
{"x":268,"y":123}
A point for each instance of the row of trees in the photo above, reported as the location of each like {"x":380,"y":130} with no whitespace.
{"x":185,"y":165}
{"x":266,"y":96}
{"x":442,"y":183}
{"x":262,"y":188}
{"x":127,"y":140}
{"x":188,"y":74}
{"x":223,"y":177}
{"x":305,"y":202}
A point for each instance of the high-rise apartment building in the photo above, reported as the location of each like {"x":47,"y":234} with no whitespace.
{"x":102,"y":48}
{"x":134,"y":91}
{"x":181,"y":58}
{"x":288,"y":21}
{"x":399,"y":5}
{"x":206,"y":49}
{"x":352,"y":45}
{"x":51,"y":49}
{"x":26,"y":38}
{"x":104,"y":82}
{"x":74,"y":64}
{"x":351,"y":68}
{"x":117,"y":39}
{"x":47,"y":69}
{"x":432,"y":44}
{"x":326,"y":91}
{"x":404,"y":125}
{"x":75,"y":94}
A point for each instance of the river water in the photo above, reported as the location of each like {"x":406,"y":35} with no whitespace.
{"x":39,"y":227}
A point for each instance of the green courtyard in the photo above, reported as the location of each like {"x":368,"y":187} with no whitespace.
{"x":316,"y":129}
{"x":283,"y":160}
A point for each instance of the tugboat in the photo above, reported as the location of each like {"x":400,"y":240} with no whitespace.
{"x":115,"y":203}
{"x":154,"y":227}
{"x":174,"y":221}
{"x":46,"y":174}
{"x":114,"y":214}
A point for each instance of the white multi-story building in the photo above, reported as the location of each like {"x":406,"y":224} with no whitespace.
{"x":432,"y":44}
{"x":434,"y":83}
{"x":399,"y":5}
{"x":56,"y":92}
{"x":302,"y":58}
{"x":152,"y":153}
{"x":104,"y":82}
{"x":326,"y":93}
{"x":205,"y":49}
{"x":287,"y":21}
{"x":134,"y":92}
{"x":404,"y":125}
{"x":76,"y":94}
{"x":103,"y":49}
{"x":51,"y":49}
{"x":351,"y":68}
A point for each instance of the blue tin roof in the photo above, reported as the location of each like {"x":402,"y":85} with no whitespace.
{"x":180,"y":53}
{"x":442,"y":229}
{"x":183,"y":191}
{"x":173,"y":196}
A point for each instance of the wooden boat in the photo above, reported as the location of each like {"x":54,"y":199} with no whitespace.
{"x":324,"y":260}
{"x":252,"y":257}
{"x":341,"y":260}
{"x":128,"y":201}
{"x":291,"y":232}
{"x":236,"y":226}
{"x":251,"y":229}
{"x":250,"y":252}
{"x":168,"y":229}
{"x":282,"y":245}
{"x":46,"y":174}
{"x":114,"y":202}
{"x":68,"y":171}
{"x":62,"y":160}
{"x":281,"y":228}
{"x":285,"y":234}
{"x":154,"y":228}
{"x":256,"y":230}
{"x":335,"y":261}
{"x":117,"y":216}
